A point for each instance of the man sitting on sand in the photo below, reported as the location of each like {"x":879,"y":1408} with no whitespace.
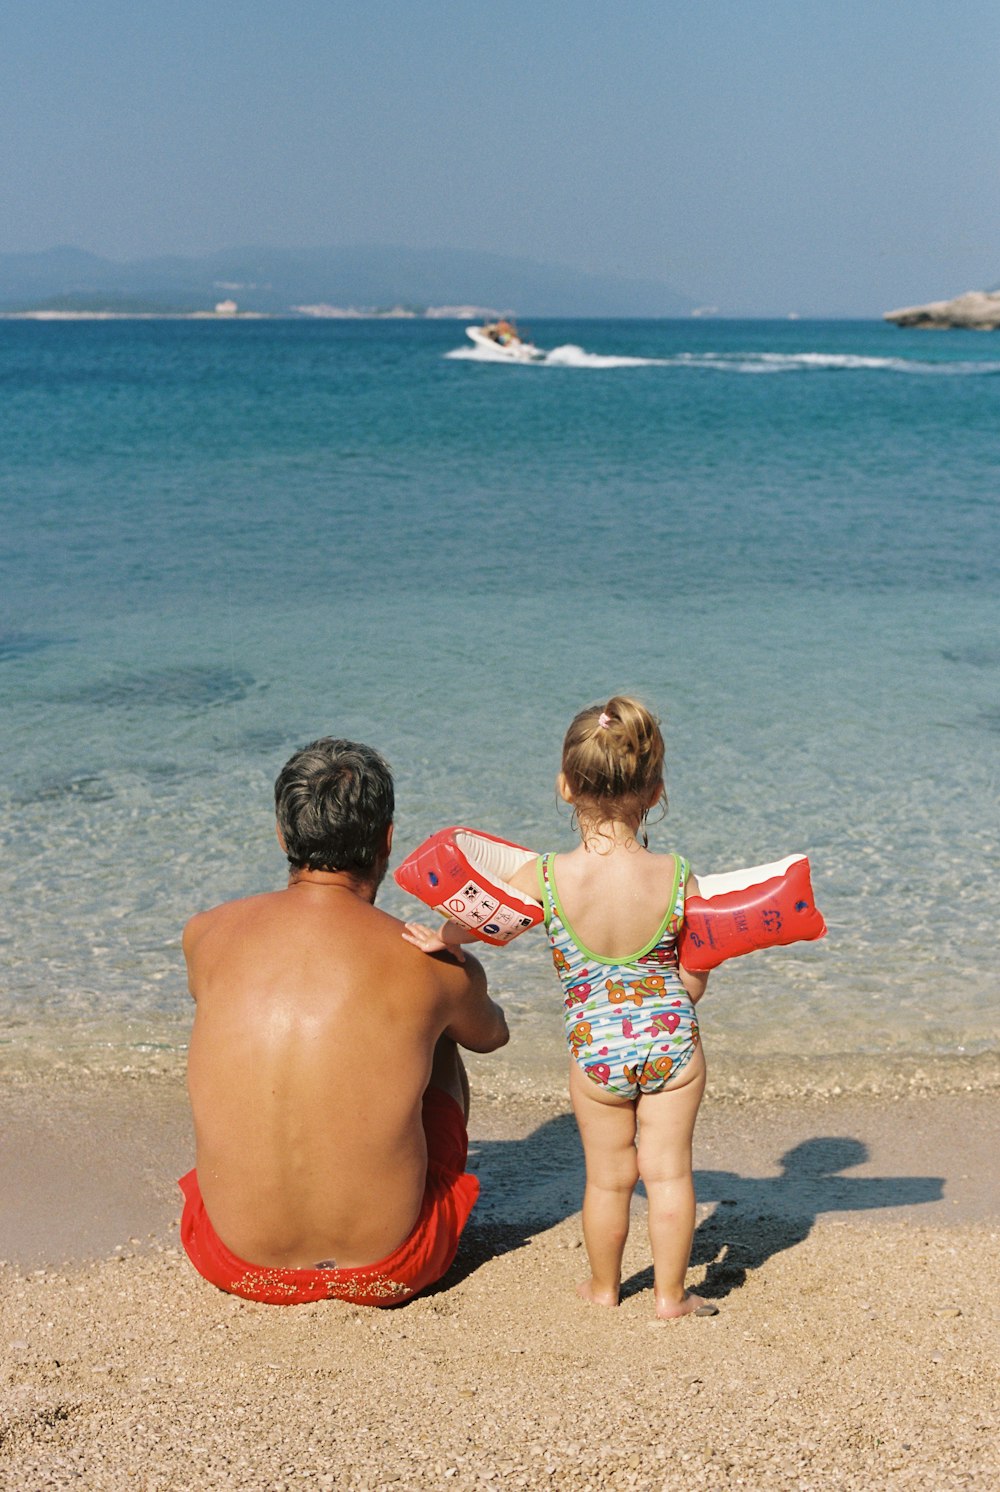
{"x":330,"y":1102}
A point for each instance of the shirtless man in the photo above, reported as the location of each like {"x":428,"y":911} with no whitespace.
{"x":330,"y":1102}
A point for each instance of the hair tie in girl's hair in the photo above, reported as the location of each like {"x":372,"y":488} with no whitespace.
{"x":604,"y":721}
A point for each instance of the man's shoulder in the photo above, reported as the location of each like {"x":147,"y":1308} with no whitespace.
{"x":227,"y":913}
{"x":443,"y":971}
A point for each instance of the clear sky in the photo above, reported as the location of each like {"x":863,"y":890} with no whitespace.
{"x":765,"y":156}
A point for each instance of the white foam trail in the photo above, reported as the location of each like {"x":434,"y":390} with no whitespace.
{"x":571,"y":356}
{"x":484,"y":355}
{"x":805,"y":362}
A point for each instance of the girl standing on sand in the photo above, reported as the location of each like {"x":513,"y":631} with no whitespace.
{"x":636,"y":1063}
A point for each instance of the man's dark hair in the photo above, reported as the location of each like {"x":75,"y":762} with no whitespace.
{"x":334,"y":802}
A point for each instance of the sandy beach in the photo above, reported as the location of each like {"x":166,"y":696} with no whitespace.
{"x":850,"y":1242}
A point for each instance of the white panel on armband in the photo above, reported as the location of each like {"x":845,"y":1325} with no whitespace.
{"x":741,"y":880}
{"x":495,"y":861}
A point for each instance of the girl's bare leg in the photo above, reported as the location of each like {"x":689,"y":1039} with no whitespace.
{"x":607,"y":1129}
{"x":666,"y":1128}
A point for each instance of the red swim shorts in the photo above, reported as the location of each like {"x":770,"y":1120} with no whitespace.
{"x":420,"y":1260}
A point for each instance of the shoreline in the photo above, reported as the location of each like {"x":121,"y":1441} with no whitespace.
{"x":850,"y":1243}
{"x":533,"y":1066}
{"x":93,"y":1158}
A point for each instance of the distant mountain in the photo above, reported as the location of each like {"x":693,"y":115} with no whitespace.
{"x":372,"y":277}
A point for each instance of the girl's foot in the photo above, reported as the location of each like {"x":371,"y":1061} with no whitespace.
{"x":594,"y":1295}
{"x":688,"y":1305}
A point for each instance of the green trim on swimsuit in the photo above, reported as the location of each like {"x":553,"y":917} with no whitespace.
{"x":602,"y":958}
{"x":543,"y":893}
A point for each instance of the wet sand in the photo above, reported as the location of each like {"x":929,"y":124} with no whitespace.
{"x":851,"y":1243}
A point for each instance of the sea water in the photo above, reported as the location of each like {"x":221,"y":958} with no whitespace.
{"x":221,"y":540}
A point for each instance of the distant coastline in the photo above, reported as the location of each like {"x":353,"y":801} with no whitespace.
{"x":294,"y":313}
{"x":362,"y":281}
{"x":136,"y":316}
{"x":325,"y":312}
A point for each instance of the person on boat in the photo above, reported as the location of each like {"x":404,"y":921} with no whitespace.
{"x":502,"y":332}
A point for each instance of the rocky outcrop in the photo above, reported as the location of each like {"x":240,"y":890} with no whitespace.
{"x":976,"y":310}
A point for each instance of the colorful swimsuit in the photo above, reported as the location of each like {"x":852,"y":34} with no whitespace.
{"x":630,"y":1023}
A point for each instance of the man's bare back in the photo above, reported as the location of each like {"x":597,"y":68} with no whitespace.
{"x":316,"y":1033}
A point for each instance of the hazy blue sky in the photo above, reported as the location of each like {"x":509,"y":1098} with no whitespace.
{"x":766,"y":156}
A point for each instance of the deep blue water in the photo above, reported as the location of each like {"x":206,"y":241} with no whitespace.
{"x":220,"y":540}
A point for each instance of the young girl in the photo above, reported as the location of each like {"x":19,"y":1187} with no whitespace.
{"x":612,"y":913}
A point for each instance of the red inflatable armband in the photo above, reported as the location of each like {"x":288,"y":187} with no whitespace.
{"x":461,"y":874}
{"x":762,"y":907}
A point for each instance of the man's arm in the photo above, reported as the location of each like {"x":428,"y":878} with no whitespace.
{"x":192,"y":936}
{"x":478,"y":1023}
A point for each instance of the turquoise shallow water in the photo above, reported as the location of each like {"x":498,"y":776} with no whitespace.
{"x":222,"y":540}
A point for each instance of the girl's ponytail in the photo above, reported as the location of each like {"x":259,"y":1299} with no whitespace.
{"x":613,"y":753}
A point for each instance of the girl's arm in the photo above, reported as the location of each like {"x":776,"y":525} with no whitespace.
{"x":451,"y":935}
{"x":447,"y":938}
{"x":694,"y":983}
{"x":525,"y":879}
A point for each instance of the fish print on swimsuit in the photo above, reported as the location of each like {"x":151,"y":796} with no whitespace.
{"x":630,"y":1023}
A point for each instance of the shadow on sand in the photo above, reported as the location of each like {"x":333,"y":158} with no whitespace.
{"x":530,"y":1185}
{"x":756,"y":1217}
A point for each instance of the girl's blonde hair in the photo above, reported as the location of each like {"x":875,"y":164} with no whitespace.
{"x":613,"y":754}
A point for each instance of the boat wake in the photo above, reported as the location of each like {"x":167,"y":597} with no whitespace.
{"x":575,"y":357}
{"x":571,"y":356}
{"x":826,"y":362}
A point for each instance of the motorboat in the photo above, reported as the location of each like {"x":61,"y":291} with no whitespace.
{"x":503,"y":341}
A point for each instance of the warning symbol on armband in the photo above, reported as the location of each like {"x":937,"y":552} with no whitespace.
{"x":506,"y":924}
{"x":472,"y":906}
{"x":476,"y":908}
